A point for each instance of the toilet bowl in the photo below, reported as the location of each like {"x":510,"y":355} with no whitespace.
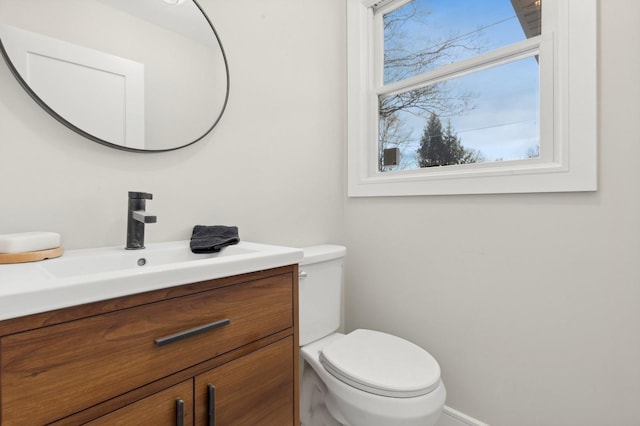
{"x":365,"y":377}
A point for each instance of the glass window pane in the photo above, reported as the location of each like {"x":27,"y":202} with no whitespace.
{"x":426,"y":34}
{"x":486,"y":116}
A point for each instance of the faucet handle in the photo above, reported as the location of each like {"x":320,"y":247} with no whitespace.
{"x":140,"y":196}
{"x":143,"y":217}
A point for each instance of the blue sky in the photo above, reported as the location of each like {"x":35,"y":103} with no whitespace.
{"x":504,"y":121}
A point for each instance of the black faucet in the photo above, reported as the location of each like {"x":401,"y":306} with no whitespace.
{"x":136,"y":219}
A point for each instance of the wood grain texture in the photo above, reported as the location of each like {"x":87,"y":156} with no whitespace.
{"x":80,"y":363}
{"x":30,"y":322}
{"x":257,"y":389}
{"x":158,"y":409}
{"x":134,"y":395}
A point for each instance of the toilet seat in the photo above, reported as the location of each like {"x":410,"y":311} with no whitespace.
{"x":381,"y":364}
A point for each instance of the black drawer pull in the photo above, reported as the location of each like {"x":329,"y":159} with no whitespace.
{"x":179,"y":412}
{"x":191,"y":332}
{"x":211,"y":405}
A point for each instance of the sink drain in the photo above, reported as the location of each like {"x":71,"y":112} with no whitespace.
{"x":142,"y":261}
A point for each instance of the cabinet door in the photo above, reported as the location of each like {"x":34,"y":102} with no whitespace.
{"x":256,"y":389}
{"x":170,"y":407}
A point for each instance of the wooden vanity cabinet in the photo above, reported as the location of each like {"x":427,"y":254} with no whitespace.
{"x":219,"y":352}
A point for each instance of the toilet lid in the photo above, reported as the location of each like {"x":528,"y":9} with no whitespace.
{"x":382,"y":364}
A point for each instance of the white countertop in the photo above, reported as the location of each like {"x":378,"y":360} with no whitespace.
{"x":90,"y":275}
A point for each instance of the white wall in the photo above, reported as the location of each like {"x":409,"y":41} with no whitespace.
{"x":274,"y":166}
{"x":531,"y":303}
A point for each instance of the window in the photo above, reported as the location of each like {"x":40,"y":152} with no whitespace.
{"x":471,"y":97}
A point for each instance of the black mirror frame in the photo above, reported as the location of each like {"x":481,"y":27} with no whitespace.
{"x":76,"y":129}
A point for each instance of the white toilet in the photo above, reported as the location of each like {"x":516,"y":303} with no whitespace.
{"x":364,"y":378}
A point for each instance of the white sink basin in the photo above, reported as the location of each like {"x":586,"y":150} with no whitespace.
{"x":114,"y":259}
{"x":89,"y":275}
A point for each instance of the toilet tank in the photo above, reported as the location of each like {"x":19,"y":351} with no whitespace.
{"x":320,"y":291}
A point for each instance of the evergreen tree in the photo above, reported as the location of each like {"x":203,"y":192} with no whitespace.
{"x":431,"y":150}
{"x":440,"y":147}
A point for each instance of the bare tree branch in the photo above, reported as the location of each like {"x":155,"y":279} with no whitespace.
{"x":403,"y":58}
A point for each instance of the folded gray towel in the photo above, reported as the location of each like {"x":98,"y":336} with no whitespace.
{"x":212,"y":239}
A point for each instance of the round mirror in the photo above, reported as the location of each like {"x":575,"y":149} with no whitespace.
{"x":138,"y":75}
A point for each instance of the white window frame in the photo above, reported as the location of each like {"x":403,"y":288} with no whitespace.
{"x":568,"y":102}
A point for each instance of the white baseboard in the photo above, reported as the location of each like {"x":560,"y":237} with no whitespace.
{"x":451,"y":417}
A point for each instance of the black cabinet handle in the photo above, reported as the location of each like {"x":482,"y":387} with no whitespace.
{"x":191,"y":332}
{"x":179,"y":412}
{"x":211,"y":409}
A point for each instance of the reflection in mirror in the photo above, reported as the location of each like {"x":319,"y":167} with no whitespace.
{"x":144,"y":75}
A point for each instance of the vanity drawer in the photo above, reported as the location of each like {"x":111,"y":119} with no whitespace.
{"x":54,"y":371}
